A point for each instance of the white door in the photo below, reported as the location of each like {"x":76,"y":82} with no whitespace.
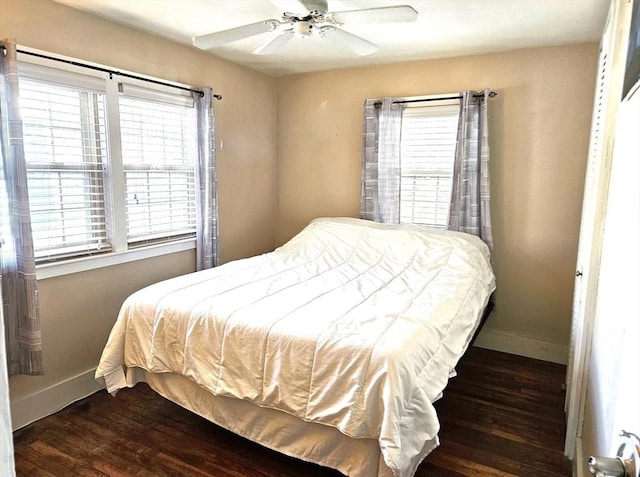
{"x":608,"y":86}
{"x":602,"y":392}
{"x":616,"y":338}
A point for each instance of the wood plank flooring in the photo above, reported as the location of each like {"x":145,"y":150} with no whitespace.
{"x":501,"y":416}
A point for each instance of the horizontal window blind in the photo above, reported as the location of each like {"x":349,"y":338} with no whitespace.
{"x":158,"y":156}
{"x":65,"y":148}
{"x":427,"y":148}
{"x":110,"y":161}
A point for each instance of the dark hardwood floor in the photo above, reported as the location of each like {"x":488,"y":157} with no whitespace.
{"x":501,"y":416}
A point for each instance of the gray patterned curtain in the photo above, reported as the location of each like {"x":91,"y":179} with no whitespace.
{"x":6,"y":437}
{"x":470,"y":199}
{"x":18,"y":286}
{"x":380,"y":194}
{"x":369,"y":169}
{"x":206,"y":183}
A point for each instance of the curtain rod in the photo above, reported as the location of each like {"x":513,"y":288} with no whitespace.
{"x":492,"y":94}
{"x":112,"y":72}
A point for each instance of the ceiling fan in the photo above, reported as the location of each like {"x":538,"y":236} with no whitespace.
{"x":312,"y":19}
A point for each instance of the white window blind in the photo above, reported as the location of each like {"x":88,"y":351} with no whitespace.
{"x":65,"y":148}
{"x":158,"y":151}
{"x":110,"y":166}
{"x":427,"y":149}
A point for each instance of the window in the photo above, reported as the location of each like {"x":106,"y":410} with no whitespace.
{"x":110,"y":165}
{"x":427,"y":152}
{"x":158,"y":150}
{"x":420,"y":166}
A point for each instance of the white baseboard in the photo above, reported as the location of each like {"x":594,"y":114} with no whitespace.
{"x":523,"y":346}
{"x":50,"y":400}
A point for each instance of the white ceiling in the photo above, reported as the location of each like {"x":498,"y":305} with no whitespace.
{"x":445,"y":28}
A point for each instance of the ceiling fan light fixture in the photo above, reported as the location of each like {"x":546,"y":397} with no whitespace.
{"x":302,"y":29}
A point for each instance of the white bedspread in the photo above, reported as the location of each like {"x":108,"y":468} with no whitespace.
{"x":351,"y":324}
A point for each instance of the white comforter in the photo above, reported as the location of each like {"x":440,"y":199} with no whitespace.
{"x":351,"y":324}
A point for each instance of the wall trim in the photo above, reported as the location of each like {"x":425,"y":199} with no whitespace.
{"x":48,"y":401}
{"x":523,"y":346}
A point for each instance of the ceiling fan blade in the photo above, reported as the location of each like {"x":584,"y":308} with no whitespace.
{"x":358,"y":45}
{"x":219,"y":38}
{"x":397,"y":13}
{"x":292,"y":6}
{"x":273,"y":43}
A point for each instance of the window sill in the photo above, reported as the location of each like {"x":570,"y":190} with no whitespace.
{"x":67,"y":267}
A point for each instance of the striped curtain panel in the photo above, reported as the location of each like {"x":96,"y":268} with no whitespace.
{"x":470,"y":196}
{"x":19,"y":291}
{"x":369,"y":168}
{"x":380,"y":193}
{"x":6,"y":437}
{"x":206,"y":183}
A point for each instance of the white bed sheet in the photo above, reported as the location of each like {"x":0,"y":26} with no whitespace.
{"x":351,"y":324}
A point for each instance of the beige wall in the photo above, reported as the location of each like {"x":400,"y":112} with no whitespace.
{"x":78,"y":311}
{"x":539,"y":130}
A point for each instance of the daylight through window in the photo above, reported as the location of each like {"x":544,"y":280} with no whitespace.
{"x":427,"y":152}
{"x":109,"y":167}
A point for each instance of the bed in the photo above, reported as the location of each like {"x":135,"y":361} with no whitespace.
{"x":332,"y":348}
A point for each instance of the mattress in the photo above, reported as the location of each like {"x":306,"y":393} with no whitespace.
{"x":351,"y":324}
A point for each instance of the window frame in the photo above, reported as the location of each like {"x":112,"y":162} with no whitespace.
{"x":60,"y":72}
{"x":80,"y":166}
{"x":424,"y":103}
{"x":142,"y":95}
